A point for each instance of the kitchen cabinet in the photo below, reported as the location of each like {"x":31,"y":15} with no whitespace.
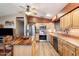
{"x":68,"y":49}
{"x":65,"y":22}
{"x":51,"y":39}
{"x":77,"y":51}
{"x":62,"y":23}
{"x":70,"y":20}
{"x":60,"y":47}
{"x":1,"y":26}
{"x":75,"y":18}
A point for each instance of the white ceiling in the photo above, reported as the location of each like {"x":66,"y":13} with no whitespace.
{"x":43,"y":8}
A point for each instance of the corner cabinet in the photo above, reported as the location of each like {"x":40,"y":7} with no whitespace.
{"x":70,"y":20}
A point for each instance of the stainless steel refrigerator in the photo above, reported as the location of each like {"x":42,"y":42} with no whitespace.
{"x":30,"y":30}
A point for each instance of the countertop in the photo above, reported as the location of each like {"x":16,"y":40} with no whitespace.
{"x":19,"y":42}
{"x":74,"y":41}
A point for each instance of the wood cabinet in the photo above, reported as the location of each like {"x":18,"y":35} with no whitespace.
{"x":75,"y":18}
{"x":68,"y":49}
{"x":65,"y":22}
{"x":65,"y":48}
{"x":51,"y":39}
{"x":70,"y":20}
{"x":77,"y":51}
{"x":60,"y":47}
{"x":1,"y":26}
{"x":62,"y":23}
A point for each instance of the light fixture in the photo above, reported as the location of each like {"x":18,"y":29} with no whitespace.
{"x":28,"y":13}
{"x":48,"y":15}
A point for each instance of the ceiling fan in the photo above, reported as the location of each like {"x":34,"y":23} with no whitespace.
{"x":28,"y":10}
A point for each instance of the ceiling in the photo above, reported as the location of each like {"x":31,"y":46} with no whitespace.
{"x":43,"y":9}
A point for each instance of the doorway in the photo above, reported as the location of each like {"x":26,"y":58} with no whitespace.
{"x":20,"y":26}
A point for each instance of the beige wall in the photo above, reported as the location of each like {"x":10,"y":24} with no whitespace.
{"x":10,"y":18}
{"x":13,"y":18}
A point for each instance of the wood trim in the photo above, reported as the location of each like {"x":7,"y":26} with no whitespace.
{"x":67,"y":9}
{"x":38,"y":19}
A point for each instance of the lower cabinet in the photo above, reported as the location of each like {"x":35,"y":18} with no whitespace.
{"x":68,"y":49}
{"x":65,"y":48}
{"x":77,"y":51}
{"x":51,"y":39}
{"x":60,"y":47}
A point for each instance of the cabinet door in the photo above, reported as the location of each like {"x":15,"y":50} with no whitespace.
{"x":62,"y":23}
{"x":65,"y":51}
{"x":61,"y":20}
{"x":77,"y":51}
{"x":68,"y":21}
{"x":1,"y":26}
{"x":75,"y":17}
{"x":65,"y":21}
{"x":51,"y":39}
{"x":68,"y":49}
{"x":60,"y":47}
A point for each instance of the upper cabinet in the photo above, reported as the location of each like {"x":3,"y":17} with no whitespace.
{"x":70,"y":20}
{"x":75,"y":18}
{"x":62,"y":23}
{"x":65,"y":22}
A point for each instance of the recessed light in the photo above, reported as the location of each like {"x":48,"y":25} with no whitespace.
{"x":48,"y":15}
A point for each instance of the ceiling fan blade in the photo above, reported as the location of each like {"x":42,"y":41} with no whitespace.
{"x":22,"y":7}
{"x":21,"y":12}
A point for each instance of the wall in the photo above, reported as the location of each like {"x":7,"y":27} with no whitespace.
{"x":13,"y":18}
{"x":6,"y":18}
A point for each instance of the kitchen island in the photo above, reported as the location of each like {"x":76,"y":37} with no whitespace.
{"x":31,"y":47}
